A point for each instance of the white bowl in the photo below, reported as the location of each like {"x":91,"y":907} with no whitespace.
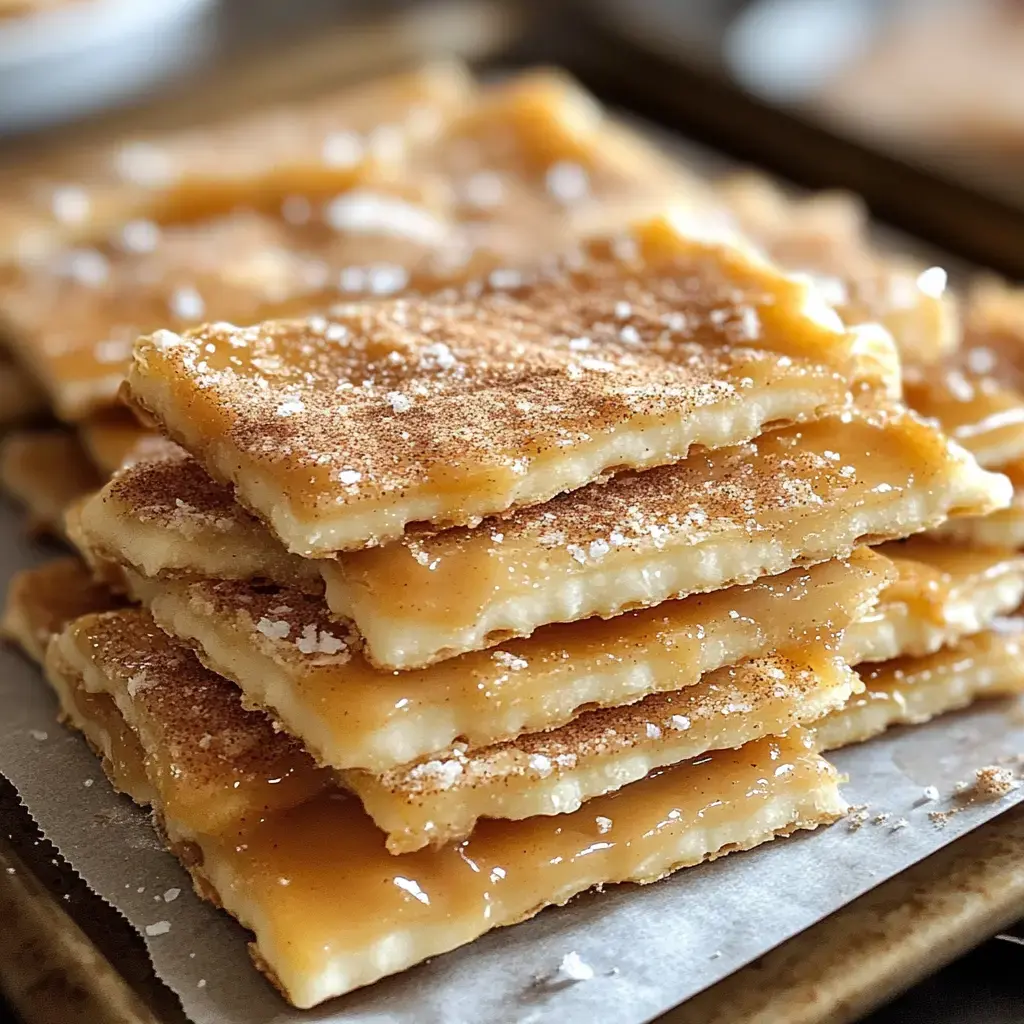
{"x":77,"y":57}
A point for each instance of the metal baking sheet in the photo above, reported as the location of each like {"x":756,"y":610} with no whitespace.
{"x":651,"y":947}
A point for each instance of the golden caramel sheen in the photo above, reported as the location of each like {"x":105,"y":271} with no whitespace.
{"x":341,"y":431}
{"x":443,"y":798}
{"x":287,"y":655}
{"x":978,"y":392}
{"x":331,"y":909}
{"x":104,"y":728}
{"x":793,"y":496}
{"x":908,"y":691}
{"x":942,"y":592}
{"x":978,"y":410}
{"x":213,"y":763}
{"x":73,"y":320}
{"x":311,"y":149}
{"x":387,"y":912}
{"x":826,"y":236}
{"x":530,"y":166}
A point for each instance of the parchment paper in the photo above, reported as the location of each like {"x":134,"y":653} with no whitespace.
{"x":651,"y":947}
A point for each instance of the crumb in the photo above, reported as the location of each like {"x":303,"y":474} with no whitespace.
{"x":992,"y":783}
{"x":898,"y":824}
{"x":88,"y":782}
{"x":881,"y":819}
{"x":940,"y":817}
{"x":858,"y":815}
{"x":159,"y":928}
{"x":571,"y":970}
{"x":717,"y":953}
{"x":928,"y":795}
{"x":38,"y":735}
{"x":201,"y":983}
{"x":171,"y":895}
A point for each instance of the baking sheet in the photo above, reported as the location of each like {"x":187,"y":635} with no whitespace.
{"x":650,"y":947}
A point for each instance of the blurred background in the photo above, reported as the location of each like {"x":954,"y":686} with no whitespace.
{"x":937,"y":82}
{"x":917,"y":104}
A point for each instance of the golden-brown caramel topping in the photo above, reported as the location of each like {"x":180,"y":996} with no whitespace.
{"x":41,"y":601}
{"x":908,"y":691}
{"x":286,"y":653}
{"x":978,"y":392}
{"x":286,"y":869}
{"x":73,"y":320}
{"x":163,"y":515}
{"x":441,"y":799}
{"x":539,"y":147}
{"x":420,"y":904}
{"x":97,"y":717}
{"x":943,"y":592}
{"x":979,"y":410}
{"x":800,"y":494}
{"x":341,"y":431}
{"x":213,"y":762}
{"x":309,"y":149}
{"x":933,"y":572}
{"x":46,"y":470}
{"x":826,"y":236}
{"x":495,"y":190}
{"x":1003,"y":529}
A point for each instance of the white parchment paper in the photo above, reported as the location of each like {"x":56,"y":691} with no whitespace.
{"x":650,"y":947}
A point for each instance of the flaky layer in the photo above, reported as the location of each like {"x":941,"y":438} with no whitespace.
{"x":164,"y":516}
{"x":909,"y":691}
{"x":213,"y":762}
{"x":340,"y":432}
{"x":1002,"y":529}
{"x":287,"y":655}
{"x":794,"y":496}
{"x":441,"y":800}
{"x":942,"y":592}
{"x":332,"y":910}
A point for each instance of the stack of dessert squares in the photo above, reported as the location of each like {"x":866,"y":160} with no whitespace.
{"x":960,"y":584}
{"x":541,"y":541}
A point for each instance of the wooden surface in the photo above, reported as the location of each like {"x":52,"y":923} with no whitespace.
{"x":882,"y":943}
{"x":49,"y":971}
